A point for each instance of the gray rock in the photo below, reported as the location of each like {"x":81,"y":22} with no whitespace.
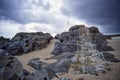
{"x":91,"y":70}
{"x":100,"y":41}
{"x":39,"y":75}
{"x":3,"y":44}
{"x":11,"y":68}
{"x":61,"y":65}
{"x":42,"y":73}
{"x":4,"y":53}
{"x":61,"y":48}
{"x":4,"y":39}
{"x":26,"y":42}
{"x":35,"y":63}
{"x":14,"y":48}
{"x":64,"y":37}
{"x":103,"y":68}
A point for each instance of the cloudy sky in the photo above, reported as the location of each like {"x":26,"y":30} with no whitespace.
{"x":56,"y":16}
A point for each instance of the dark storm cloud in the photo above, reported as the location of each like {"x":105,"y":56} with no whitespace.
{"x":105,"y":13}
{"x":15,"y":10}
{"x":9,"y":9}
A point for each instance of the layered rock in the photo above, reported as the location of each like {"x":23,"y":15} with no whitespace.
{"x":86,"y":52}
{"x":82,"y":32}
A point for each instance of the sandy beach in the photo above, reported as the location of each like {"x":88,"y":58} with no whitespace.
{"x":45,"y":53}
{"x":42,"y":54}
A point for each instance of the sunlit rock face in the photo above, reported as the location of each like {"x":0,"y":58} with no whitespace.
{"x":79,"y":30}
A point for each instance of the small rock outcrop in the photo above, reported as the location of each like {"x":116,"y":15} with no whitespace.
{"x":26,"y":42}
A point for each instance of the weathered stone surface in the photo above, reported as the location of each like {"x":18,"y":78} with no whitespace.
{"x":3,"y":45}
{"x":35,"y":63}
{"x":39,"y":75}
{"x":3,"y":53}
{"x":103,"y":68}
{"x":15,"y":48}
{"x":40,"y":72}
{"x":61,"y":65}
{"x":78,"y":30}
{"x":81,"y":32}
{"x":26,"y":42}
{"x":61,"y":48}
{"x":10,"y":69}
{"x":64,"y":37}
{"x":99,"y":40}
{"x":86,"y":45}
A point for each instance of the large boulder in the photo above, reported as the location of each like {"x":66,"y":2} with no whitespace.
{"x":61,"y":65}
{"x":41,"y":72}
{"x":35,"y":63}
{"x":10,"y":69}
{"x":78,"y":30}
{"x":15,"y":48}
{"x":61,"y":48}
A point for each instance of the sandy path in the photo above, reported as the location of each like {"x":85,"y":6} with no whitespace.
{"x":42,"y":54}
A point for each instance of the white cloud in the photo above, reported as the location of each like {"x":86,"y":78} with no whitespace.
{"x":38,"y":18}
{"x":8,"y":28}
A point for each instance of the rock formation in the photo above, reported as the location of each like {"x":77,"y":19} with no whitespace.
{"x":82,"y":32}
{"x":81,"y":48}
{"x":86,"y":46}
{"x":26,"y":42}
